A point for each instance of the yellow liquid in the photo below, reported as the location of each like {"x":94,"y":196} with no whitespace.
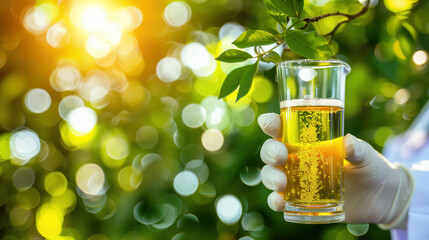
{"x":314,"y":169}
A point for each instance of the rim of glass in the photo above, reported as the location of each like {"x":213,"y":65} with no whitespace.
{"x":299,"y":63}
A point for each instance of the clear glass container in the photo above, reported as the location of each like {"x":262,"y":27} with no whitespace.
{"x":312,"y":114}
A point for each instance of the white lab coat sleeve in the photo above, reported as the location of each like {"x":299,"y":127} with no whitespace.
{"x":418,"y":214}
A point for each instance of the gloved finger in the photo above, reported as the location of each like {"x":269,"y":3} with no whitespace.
{"x":273,"y":178}
{"x":357,"y":151}
{"x":274,"y":153}
{"x":270,"y":123}
{"x":276,"y":201}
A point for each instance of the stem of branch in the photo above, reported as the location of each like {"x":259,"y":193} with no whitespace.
{"x":305,"y":26}
{"x":269,"y":50}
{"x":349,"y":17}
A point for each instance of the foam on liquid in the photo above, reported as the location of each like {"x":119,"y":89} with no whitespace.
{"x":316,"y":102}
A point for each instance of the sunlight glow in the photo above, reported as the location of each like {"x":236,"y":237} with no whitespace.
{"x":93,"y":18}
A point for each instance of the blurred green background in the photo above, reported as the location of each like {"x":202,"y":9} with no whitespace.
{"x":111,"y":128}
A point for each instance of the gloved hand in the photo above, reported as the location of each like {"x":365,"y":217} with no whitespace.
{"x":376,"y":191}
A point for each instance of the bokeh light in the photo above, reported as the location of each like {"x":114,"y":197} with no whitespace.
{"x":116,"y":149}
{"x":212,"y":140}
{"x":168,"y":69}
{"x":21,"y":218}
{"x":200,"y":168}
{"x":23,"y":178}
{"x":65,"y":78}
{"x":217,"y":113}
{"x":185,"y":183}
{"x":196,"y":57}
{"x":420,"y":57}
{"x":82,"y":120}
{"x":358,"y":229}
{"x":228,"y":33}
{"x":262,"y":90}
{"x":306,"y":74}
{"x":58,"y":35}
{"x":193,"y":115}
{"x":38,"y":19}
{"x":177,"y":14}
{"x":229,"y":209}
{"x":130,"y":18}
{"x":399,"y":5}
{"x":89,"y":17}
{"x":49,"y":221}
{"x":55,"y":183}
{"x":24,"y":145}
{"x":37,"y":100}
{"x":68,"y":104}
{"x":252,"y":221}
{"x":251,"y":176}
{"x":126,"y":124}
{"x":129,"y":178}
{"x":147,"y":137}
{"x":98,"y":46}
{"x":90,"y":179}
{"x":401,"y":96}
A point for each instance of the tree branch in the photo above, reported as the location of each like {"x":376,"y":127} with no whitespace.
{"x":349,"y":17}
{"x":269,"y":50}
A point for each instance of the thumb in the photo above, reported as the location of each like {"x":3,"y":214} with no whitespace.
{"x":357,"y":151}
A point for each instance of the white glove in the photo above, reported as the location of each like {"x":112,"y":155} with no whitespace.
{"x":376,"y":191}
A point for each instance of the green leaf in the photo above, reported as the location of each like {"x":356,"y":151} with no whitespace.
{"x":232,"y":81}
{"x":406,"y":39}
{"x":292,"y":8}
{"x":276,"y":14}
{"x":272,"y":57}
{"x":253,"y":38}
{"x":233,"y":55}
{"x":246,"y":80}
{"x":300,"y":4}
{"x":298,"y":24}
{"x":308,"y":44}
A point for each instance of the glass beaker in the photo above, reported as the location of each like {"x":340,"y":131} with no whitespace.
{"x":312,"y":114}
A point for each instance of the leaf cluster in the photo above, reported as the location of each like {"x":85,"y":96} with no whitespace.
{"x":304,"y":41}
